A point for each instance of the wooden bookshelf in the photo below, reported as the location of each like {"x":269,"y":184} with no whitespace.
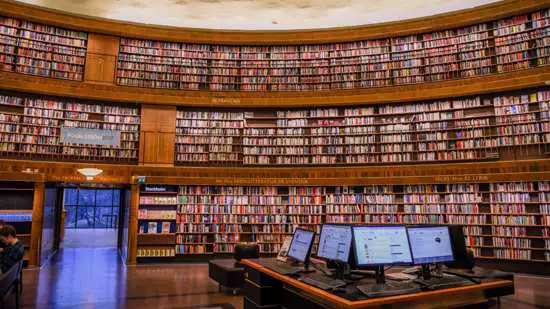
{"x":30,"y":127}
{"x":493,"y":127}
{"x":500,"y":46}
{"x":36,"y":49}
{"x":505,"y":220}
{"x":157,"y":221}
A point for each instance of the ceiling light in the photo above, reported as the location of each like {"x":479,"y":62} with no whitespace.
{"x":90,"y":173}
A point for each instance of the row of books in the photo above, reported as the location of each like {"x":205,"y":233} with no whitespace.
{"x":500,"y":46}
{"x":43,"y":50}
{"x":32,"y":125}
{"x":392,"y":133}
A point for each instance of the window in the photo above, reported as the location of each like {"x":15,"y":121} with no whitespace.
{"x":91,"y":208}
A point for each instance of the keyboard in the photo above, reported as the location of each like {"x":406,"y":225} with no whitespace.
{"x":322,"y":281}
{"x":444,"y":282}
{"x":388,"y":289}
{"x":281,"y":267}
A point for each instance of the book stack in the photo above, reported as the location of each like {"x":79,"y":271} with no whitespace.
{"x":35,"y":49}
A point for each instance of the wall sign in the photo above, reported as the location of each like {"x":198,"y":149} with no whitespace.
{"x":89,"y":136}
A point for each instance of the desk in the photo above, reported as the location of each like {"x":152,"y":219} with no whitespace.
{"x":265,"y":288}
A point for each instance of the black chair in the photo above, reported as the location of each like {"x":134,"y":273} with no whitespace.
{"x":229,"y":273}
{"x":10,"y":281}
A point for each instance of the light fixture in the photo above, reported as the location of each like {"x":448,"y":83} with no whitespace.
{"x":90,"y":173}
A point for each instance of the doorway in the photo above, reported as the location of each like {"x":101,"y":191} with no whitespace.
{"x":92,"y":216}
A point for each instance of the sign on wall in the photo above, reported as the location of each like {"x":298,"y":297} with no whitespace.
{"x":90,"y":136}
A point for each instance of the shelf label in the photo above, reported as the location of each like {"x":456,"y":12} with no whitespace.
{"x":89,"y":136}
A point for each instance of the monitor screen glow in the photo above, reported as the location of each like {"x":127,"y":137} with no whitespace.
{"x":430,"y":244}
{"x":335,"y":242}
{"x":301,"y":244}
{"x":381,"y":245}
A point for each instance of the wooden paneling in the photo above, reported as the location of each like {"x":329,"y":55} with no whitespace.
{"x":101,"y":59}
{"x":103,"y":44}
{"x":158,"y":118}
{"x":37,"y":224}
{"x":427,"y":91}
{"x":394,"y":174}
{"x":133,"y":225}
{"x":157,"y":148}
{"x":399,"y":28}
{"x":100,"y":68}
{"x":157,"y":137}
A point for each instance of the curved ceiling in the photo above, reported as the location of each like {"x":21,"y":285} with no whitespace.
{"x":259,"y":14}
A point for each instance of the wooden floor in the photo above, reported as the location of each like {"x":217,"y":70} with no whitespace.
{"x":95,"y":278}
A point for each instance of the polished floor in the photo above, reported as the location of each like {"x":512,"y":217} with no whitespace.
{"x":90,"y":238}
{"x":95,"y":277}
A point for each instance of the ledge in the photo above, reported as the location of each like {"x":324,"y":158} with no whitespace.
{"x":427,"y":91}
{"x":400,"y":28}
{"x":524,"y":170}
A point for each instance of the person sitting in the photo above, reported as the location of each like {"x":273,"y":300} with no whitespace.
{"x":14,"y":249}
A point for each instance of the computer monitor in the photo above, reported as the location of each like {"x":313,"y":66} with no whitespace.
{"x":335,"y":242}
{"x":300,"y":247}
{"x":430,"y":244}
{"x":381,"y":245}
{"x":463,"y":258}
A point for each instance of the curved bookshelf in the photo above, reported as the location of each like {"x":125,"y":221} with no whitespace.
{"x":509,"y":44}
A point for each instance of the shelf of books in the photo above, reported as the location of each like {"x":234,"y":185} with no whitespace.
{"x":157,"y":221}
{"x":35,"y":49}
{"x":503,"y":221}
{"x":30,"y":127}
{"x":505,"y":45}
{"x":501,"y":126}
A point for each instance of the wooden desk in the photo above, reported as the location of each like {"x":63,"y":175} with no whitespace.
{"x":265,"y":288}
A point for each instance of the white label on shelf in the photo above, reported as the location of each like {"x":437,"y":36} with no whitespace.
{"x":90,"y":136}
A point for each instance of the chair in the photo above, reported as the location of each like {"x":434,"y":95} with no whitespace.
{"x":11,"y":281}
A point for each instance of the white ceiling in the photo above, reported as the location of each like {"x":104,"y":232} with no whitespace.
{"x":259,"y":14}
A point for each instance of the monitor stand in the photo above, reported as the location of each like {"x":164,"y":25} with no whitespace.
{"x":383,"y":288}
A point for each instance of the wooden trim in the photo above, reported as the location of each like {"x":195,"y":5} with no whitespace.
{"x":478,"y":172}
{"x":392,"y":300}
{"x":133,"y":225}
{"x":37,"y":224}
{"x":127,"y":29}
{"x":427,"y":91}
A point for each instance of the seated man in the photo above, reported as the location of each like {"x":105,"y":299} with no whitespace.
{"x":14,"y":249}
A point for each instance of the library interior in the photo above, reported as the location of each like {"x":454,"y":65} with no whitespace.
{"x":228,"y":154}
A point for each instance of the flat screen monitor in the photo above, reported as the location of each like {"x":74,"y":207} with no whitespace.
{"x":430,"y":244}
{"x":301,"y":244}
{"x":335,"y":242}
{"x":381,"y":245}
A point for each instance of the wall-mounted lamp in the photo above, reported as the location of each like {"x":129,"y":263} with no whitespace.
{"x":90,"y":173}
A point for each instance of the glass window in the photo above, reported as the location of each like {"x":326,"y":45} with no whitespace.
{"x":104,"y":197}
{"x":116,"y":198}
{"x":86,"y":197}
{"x":71,"y":197}
{"x":104,"y":217}
{"x":92,"y":208}
{"x":70,"y":219}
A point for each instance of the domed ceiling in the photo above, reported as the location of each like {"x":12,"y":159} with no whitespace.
{"x":259,"y":14}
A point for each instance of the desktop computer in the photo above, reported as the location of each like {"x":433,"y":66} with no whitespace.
{"x":378,"y":246}
{"x":432,"y":245}
{"x":298,"y":253}
{"x":334,"y":246}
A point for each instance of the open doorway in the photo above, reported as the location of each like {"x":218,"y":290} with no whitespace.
{"x":92,"y":216}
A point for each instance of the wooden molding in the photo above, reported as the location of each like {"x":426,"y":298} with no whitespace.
{"x":528,"y":170}
{"x":400,"y":28}
{"x":426,"y":91}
